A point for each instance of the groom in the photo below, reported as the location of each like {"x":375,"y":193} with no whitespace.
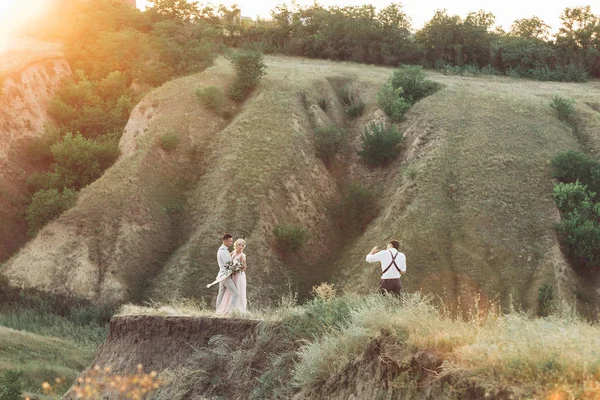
{"x":223,"y":257}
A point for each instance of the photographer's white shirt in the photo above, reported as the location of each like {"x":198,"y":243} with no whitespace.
{"x":385,"y":258}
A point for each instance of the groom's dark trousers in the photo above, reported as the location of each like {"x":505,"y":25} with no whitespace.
{"x":229,"y":285}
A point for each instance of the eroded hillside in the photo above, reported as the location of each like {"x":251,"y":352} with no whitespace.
{"x":470,"y":199}
{"x":28,"y":77}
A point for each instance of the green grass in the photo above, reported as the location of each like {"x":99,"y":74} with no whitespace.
{"x":41,"y":358}
{"x":88,"y":336}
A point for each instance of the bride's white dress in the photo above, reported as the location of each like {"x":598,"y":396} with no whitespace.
{"x":239,"y":280}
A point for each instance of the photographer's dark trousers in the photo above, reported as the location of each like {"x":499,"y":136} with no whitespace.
{"x":390,"y":286}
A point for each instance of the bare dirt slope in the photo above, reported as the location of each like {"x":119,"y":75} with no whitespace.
{"x":470,"y":200}
{"x":29,"y":75}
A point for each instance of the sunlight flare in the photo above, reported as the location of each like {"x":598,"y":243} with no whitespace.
{"x":14,"y":16}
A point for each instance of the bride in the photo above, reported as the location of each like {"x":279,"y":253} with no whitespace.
{"x":239,"y":280}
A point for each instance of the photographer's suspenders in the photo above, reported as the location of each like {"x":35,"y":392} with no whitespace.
{"x":392,"y":263}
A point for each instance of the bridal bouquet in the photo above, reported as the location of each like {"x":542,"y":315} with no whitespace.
{"x":231,"y":268}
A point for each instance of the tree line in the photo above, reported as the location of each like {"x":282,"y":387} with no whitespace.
{"x":363,"y":34}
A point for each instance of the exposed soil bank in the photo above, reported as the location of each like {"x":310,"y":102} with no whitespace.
{"x":385,"y":370}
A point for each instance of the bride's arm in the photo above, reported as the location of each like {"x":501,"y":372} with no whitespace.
{"x":244,"y":262}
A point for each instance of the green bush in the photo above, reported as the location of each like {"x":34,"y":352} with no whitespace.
{"x":46,"y":205}
{"x":40,"y":148}
{"x":356,"y":107}
{"x":564,"y":107}
{"x":569,"y":196}
{"x":579,"y":232}
{"x":353,"y":103}
{"x":545,"y":299}
{"x":392,"y":102}
{"x":249,"y":68}
{"x":169,"y":141}
{"x":575,"y":197}
{"x":380,"y":144}
{"x":566,"y":73}
{"x":571,"y":166}
{"x":291,"y":238}
{"x":77,"y":162}
{"x":80,"y":161}
{"x":329,"y":141}
{"x":414,"y":83}
{"x":212,"y":97}
{"x":11,"y":384}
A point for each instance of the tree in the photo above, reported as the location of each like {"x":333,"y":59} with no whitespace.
{"x":440,"y":36}
{"x":393,"y":18}
{"x":481,"y":19}
{"x":529,"y":28}
{"x":178,"y":10}
{"x":578,"y":39}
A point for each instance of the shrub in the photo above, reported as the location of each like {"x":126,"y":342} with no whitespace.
{"x":571,"y":166}
{"x":169,"y":141}
{"x":564,"y":107}
{"x":545,"y":299}
{"x":414,"y":83}
{"x":46,"y":205}
{"x":569,"y":196}
{"x":566,"y":73}
{"x":354,"y":105}
{"x":390,"y":100}
{"x":249,"y":68}
{"x":80,"y":161}
{"x":324,"y":291}
{"x":212,"y":97}
{"x":328,"y":142}
{"x":380,"y":144}
{"x":291,"y":238}
{"x":40,"y":147}
{"x":48,"y":180}
{"x":11,"y":384}
{"x":579,"y":232}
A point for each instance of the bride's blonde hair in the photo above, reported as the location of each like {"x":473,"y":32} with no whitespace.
{"x":240,"y":241}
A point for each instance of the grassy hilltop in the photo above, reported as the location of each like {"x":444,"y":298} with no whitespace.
{"x":470,"y":199}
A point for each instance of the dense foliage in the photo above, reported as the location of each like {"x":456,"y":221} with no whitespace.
{"x":576,"y":198}
{"x":116,"y":53}
{"x":380,"y":144}
{"x":363,"y":34}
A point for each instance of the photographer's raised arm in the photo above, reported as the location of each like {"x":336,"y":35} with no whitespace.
{"x":373,"y":256}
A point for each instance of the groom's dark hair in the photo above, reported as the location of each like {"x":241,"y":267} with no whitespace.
{"x":395,"y":244}
{"x":227,"y":236}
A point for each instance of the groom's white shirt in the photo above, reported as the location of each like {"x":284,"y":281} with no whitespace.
{"x":385,"y":258}
{"x":223,"y":257}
